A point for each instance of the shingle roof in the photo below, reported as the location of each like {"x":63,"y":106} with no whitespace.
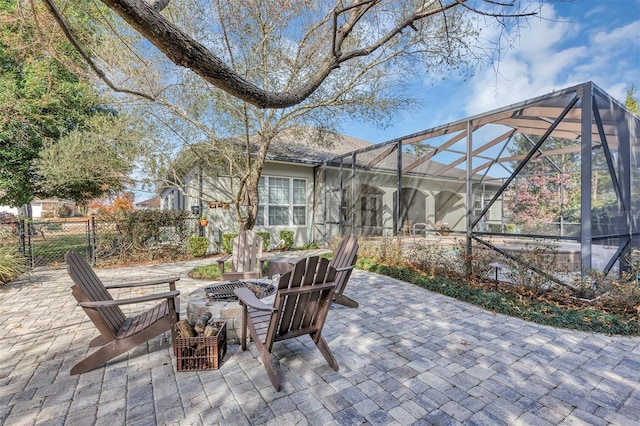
{"x":151,"y":203}
{"x":313,"y":146}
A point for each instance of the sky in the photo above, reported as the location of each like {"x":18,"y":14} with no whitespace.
{"x":571,"y":42}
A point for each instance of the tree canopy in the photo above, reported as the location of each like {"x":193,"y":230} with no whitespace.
{"x":256,"y":68}
{"x":226,"y":137}
{"x":323,"y":36}
{"x":45,"y":95}
{"x":86,"y":164}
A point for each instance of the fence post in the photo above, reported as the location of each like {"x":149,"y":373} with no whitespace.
{"x":92,"y":239}
{"x":23,"y":242}
{"x":30,"y":229}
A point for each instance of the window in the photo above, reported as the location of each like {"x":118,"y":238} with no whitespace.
{"x":283,"y":201}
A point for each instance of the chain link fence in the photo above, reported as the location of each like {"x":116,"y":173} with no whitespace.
{"x":144,"y":236}
{"x":132,"y":236}
{"x":44,"y":242}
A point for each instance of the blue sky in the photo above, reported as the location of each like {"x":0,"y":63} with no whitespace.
{"x":572,"y":42}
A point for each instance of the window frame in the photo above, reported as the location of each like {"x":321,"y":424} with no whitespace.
{"x":264,"y":205}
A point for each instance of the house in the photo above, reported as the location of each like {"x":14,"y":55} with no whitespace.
{"x":577,"y":149}
{"x":152,"y":203}
{"x":310,"y":185}
{"x":44,"y":208}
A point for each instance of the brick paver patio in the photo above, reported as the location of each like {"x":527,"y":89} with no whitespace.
{"x":407,"y":356}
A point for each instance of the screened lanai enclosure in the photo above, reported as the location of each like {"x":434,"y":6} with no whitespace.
{"x":563,"y":168}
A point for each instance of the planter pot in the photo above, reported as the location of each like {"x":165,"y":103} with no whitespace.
{"x":445,"y":232}
{"x":204,"y":222}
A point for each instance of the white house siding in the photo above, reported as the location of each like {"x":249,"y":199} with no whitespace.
{"x":223,"y":219}
{"x":427,"y":200}
{"x":171,"y":199}
{"x":303,"y":234}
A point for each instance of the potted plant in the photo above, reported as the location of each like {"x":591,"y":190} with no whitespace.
{"x":204,"y":221}
{"x":443,"y":227}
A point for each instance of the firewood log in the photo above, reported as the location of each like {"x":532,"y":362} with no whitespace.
{"x":210,"y":330}
{"x":186,"y":330}
{"x":201,"y":323}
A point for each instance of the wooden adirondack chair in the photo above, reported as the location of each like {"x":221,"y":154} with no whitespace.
{"x":300,"y":307}
{"x":344,"y":260}
{"x":246,"y":257}
{"x":118,"y":334}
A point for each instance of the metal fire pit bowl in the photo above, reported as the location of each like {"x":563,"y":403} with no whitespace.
{"x":224,"y":291}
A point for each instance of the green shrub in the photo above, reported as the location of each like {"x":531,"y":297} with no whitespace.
{"x":12,"y":264}
{"x":509,"y":228}
{"x":310,"y":246}
{"x":53,"y":226}
{"x":509,"y":301}
{"x":287,"y":237}
{"x":227,"y":242}
{"x":197,"y":246}
{"x":266,"y":240}
{"x":495,"y":227}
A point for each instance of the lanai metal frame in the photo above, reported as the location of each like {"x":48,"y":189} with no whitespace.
{"x":583,"y":113}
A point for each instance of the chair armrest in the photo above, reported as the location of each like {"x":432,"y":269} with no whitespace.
{"x":283,"y":259}
{"x":249,"y":298}
{"x":169,"y":280}
{"x":306,"y":289}
{"x":221,"y":261}
{"x":133,"y":300}
{"x":345,"y":268}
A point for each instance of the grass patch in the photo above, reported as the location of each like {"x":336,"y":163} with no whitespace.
{"x":54,"y":248}
{"x":212,"y":272}
{"x":206,"y":272}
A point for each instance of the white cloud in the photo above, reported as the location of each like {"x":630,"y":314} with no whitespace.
{"x":554,"y":53}
{"x":559,"y":51}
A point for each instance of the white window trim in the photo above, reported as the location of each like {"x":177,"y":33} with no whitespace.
{"x":264,"y":203}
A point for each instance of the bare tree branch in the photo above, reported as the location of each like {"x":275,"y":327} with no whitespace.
{"x":494,"y":15}
{"x":185,"y":51}
{"x":65,"y":29}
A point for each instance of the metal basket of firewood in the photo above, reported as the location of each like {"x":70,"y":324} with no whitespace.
{"x":201,"y":345}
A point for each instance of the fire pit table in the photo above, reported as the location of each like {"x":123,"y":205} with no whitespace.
{"x":220,"y":300}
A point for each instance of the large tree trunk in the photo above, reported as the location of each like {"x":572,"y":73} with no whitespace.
{"x":251,"y":185}
{"x":251,"y":190}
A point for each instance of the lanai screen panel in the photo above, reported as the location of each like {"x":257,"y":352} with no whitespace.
{"x":563,"y":166}
{"x":359,"y":193}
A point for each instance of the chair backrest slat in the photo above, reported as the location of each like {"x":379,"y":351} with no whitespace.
{"x":321,"y":272}
{"x":309,"y":272}
{"x":247,"y":249}
{"x":345,"y":255}
{"x":90,"y":288}
{"x":301,"y":311}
